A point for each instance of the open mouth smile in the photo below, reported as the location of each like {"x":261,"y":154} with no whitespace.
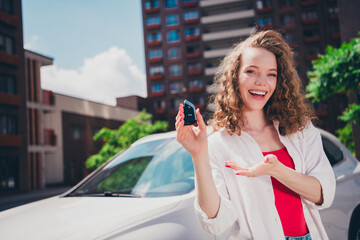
{"x":258,"y":95}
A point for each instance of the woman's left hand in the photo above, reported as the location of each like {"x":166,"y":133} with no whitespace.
{"x":267,"y":167}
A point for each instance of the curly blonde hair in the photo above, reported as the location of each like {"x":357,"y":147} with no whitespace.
{"x":287,"y":104}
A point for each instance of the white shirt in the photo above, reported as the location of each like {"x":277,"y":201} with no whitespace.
{"x":247,"y":205}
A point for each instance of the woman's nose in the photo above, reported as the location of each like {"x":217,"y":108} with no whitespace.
{"x":260,"y":80}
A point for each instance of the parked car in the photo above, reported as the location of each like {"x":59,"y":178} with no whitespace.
{"x":147,"y":192}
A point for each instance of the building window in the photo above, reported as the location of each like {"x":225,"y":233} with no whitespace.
{"x":156,"y":36}
{"x":171,"y":4}
{"x":7,"y":44}
{"x":175,"y":70}
{"x":186,"y":1}
{"x":313,"y":32}
{"x":9,"y":172}
{"x":175,"y":103}
{"x":263,"y":21}
{"x":176,"y":87}
{"x":7,"y":84}
{"x":286,"y":3}
{"x":174,"y":53}
{"x":159,"y":104}
{"x":194,"y":66}
{"x":8,"y":125}
{"x":193,"y":31}
{"x":309,"y":15}
{"x":173,"y":36}
{"x":172,"y":19}
{"x":191,"y":15}
{"x":333,"y":10}
{"x":153,"y":20}
{"x":290,"y":37}
{"x":287,"y":19}
{"x":156,"y":53}
{"x":263,"y":4}
{"x":77,"y":133}
{"x":151,"y":4}
{"x":7,"y":6}
{"x":196,"y":83}
{"x":156,"y":70}
{"x":157,"y":88}
{"x":197,"y":100}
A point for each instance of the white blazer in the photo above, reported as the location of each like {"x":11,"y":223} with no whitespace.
{"x":247,"y":205}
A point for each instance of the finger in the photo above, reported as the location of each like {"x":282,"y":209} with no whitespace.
{"x":234,"y":166}
{"x":269,"y":158}
{"x":244,"y":173}
{"x":200,"y":120}
{"x":179,"y":123}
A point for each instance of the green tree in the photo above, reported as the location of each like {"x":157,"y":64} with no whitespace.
{"x":119,"y":139}
{"x":338,"y":71}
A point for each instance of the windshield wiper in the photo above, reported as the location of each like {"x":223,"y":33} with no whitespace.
{"x":120,"y":194}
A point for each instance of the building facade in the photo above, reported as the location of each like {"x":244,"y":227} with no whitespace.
{"x":13,"y":134}
{"x":308,"y":26}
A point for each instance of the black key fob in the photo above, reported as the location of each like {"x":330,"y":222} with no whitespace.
{"x":189,"y":112}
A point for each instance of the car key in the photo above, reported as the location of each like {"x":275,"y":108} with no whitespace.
{"x":189,"y":112}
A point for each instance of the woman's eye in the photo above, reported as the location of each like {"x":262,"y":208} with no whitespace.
{"x":249,"y":71}
{"x":272,"y":75}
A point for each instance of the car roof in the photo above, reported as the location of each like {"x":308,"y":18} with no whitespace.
{"x":172,"y":134}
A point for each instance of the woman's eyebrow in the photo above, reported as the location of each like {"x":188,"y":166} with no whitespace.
{"x":254,"y":66}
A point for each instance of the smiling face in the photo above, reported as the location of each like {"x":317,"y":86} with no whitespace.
{"x":257,"y":78}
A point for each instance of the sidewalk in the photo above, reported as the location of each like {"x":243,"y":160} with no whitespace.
{"x":15,"y":200}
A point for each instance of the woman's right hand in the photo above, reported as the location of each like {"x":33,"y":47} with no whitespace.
{"x":194,"y":139}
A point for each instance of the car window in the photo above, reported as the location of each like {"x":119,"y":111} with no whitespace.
{"x":333,"y":152}
{"x":153,"y":169}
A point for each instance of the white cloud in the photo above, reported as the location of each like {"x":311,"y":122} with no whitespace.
{"x":32,"y":44}
{"x":102,"y":78}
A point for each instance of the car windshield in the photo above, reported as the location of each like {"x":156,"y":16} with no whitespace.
{"x":153,"y":169}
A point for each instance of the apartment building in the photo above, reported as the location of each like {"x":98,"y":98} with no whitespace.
{"x":13,"y":133}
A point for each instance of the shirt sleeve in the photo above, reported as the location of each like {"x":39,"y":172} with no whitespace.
{"x":318,"y":165}
{"x":226,"y":215}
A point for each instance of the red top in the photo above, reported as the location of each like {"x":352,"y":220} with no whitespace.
{"x":287,"y":202}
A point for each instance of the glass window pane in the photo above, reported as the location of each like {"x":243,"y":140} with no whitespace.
{"x":171,"y":3}
{"x":172,"y":19}
{"x":9,"y":45}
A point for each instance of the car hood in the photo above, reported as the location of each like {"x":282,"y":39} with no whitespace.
{"x":80,"y":217}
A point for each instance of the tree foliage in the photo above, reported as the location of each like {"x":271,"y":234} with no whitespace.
{"x":119,"y":139}
{"x":338,"y":71}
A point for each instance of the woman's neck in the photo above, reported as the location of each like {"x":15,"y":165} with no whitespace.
{"x":255,"y":121}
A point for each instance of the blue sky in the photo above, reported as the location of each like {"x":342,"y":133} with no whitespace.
{"x":85,"y":34}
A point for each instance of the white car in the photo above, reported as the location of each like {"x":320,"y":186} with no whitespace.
{"x":147,"y":192}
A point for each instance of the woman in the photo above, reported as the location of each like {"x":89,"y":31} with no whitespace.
{"x":263,"y":173}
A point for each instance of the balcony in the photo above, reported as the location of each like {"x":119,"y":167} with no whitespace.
{"x":312,"y":39}
{"x":154,"y":43}
{"x":195,"y":89}
{"x":265,"y":10}
{"x":334,"y":16}
{"x":335,"y":35}
{"x":156,"y":76}
{"x":210,"y":71}
{"x":227,"y":16}
{"x":48,"y":97}
{"x":10,"y":99}
{"x":266,"y":27}
{"x":307,"y":3}
{"x":193,"y":55}
{"x":194,"y":72}
{"x":192,"y":38}
{"x":10,"y":140}
{"x":191,"y":20}
{"x":216,"y":53}
{"x":286,"y":9}
{"x":153,"y":26}
{"x":160,"y":111}
{"x":49,"y":137}
{"x":189,"y":4}
{"x":157,"y":94}
{"x":9,"y":19}
{"x":152,"y":10}
{"x":310,"y":21}
{"x":288,"y":27}
{"x":9,"y":58}
{"x":155,"y":59}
